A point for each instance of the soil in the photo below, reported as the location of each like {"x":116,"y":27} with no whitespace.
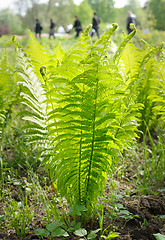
{"x":149,"y":209}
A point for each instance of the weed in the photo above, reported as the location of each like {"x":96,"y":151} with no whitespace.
{"x":18,"y":216}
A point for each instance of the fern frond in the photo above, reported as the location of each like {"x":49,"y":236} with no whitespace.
{"x":34,"y":96}
{"x":40,"y":56}
{"x":159,"y":91}
{"x":8,"y":91}
{"x":126,"y":40}
{"x":139,"y":68}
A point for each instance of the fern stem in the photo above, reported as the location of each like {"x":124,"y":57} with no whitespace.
{"x":93,"y":139}
{"x":80,"y":158}
{"x":79,"y":174}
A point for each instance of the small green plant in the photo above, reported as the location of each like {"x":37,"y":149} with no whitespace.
{"x":144,"y":223}
{"x":68,"y":225}
{"x":111,"y":235}
{"x":159,"y":236}
{"x":60,"y":229}
{"x":151,"y":170}
{"x":53,"y":229}
{"x":110,"y":207}
{"x":18,"y":216}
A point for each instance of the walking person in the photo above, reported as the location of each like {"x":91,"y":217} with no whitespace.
{"x":95,"y":25}
{"x":38,"y":28}
{"x":130,"y":19}
{"x":77,"y":26}
{"x":52,"y":28}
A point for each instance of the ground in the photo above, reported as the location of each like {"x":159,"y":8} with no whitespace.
{"x":150,"y":209}
{"x":147,"y":217}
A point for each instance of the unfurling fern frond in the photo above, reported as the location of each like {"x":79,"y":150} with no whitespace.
{"x":121,"y":48}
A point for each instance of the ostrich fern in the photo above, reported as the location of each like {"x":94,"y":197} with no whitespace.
{"x":158,"y":96}
{"x":8,"y":91}
{"x":140,"y":70}
{"x":81,"y":113}
{"x":8,"y":96}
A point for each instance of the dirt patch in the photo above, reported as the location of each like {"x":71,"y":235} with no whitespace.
{"x":150,"y":210}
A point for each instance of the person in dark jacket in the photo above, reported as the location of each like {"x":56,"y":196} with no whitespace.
{"x":130,"y":19}
{"x":77,"y":26}
{"x":52,"y":27}
{"x":95,"y":24}
{"x":38,"y":28}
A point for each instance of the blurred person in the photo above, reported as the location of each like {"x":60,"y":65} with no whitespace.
{"x":38,"y":28}
{"x":52,"y":28}
{"x":95,"y":25}
{"x":130,"y":19}
{"x":77,"y":26}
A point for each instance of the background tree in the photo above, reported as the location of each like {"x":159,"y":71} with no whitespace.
{"x":104,"y":9}
{"x":31,"y":14}
{"x":158,"y":10}
{"x":29,"y":10}
{"x":24,"y":5}
{"x":145,"y":18}
{"x":10,"y":22}
{"x":85,"y":13}
{"x":63,"y":12}
{"x":133,"y":5}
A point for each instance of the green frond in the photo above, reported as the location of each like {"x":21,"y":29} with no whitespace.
{"x":8,"y":91}
{"x":139,"y":69}
{"x":36,"y":51}
{"x":122,"y":45}
{"x":38,"y":55}
{"x":158,"y":96}
{"x":34,"y":95}
{"x":58,"y":54}
{"x":73,"y":63}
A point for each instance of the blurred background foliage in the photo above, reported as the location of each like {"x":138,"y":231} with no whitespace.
{"x":149,"y":17}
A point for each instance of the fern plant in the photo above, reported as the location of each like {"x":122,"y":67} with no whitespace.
{"x":6,"y":88}
{"x":148,"y":77}
{"x":8,"y":95}
{"x":41,"y":56}
{"x":80,"y":114}
{"x":158,"y":96}
{"x":140,"y":70}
